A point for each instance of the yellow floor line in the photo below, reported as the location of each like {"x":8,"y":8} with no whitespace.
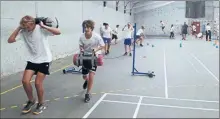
{"x":14,"y":106}
{"x":32,"y":80}
{"x":2,"y":109}
{"x":57,"y":99}
{"x":66,"y":97}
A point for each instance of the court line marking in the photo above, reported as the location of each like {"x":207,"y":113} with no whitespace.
{"x":204,"y":66}
{"x":169,"y":106}
{"x":192,"y":65}
{"x":60,"y":98}
{"x":137,"y":108}
{"x":178,"y":86}
{"x":192,"y":100}
{"x":94,"y":106}
{"x":9,"y":90}
{"x":165,"y":74}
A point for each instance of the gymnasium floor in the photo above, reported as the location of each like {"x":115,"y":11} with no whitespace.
{"x":186,"y":85}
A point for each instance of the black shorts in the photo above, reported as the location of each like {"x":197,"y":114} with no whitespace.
{"x":184,"y":32}
{"x":163,"y":27}
{"x":42,"y":67}
{"x":87,"y":67}
{"x":114,"y":36}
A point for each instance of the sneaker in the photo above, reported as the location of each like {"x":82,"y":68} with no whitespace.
{"x":125,"y":53}
{"x":39,"y":109}
{"x":87,"y":98}
{"x":28,"y":106}
{"x":130,"y":54}
{"x":85,"y":85}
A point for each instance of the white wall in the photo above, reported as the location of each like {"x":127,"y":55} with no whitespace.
{"x":70,"y":15}
{"x":173,"y":13}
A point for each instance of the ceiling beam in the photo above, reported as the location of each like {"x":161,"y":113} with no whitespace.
{"x":154,"y":7}
{"x":144,"y":5}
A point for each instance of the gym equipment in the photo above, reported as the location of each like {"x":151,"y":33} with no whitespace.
{"x":47,"y":21}
{"x":78,"y":59}
{"x":134,"y":70}
{"x":68,"y":70}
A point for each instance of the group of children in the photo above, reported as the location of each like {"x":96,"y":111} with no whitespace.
{"x":108,"y":35}
{"x":184,"y":31}
{"x":36,"y":38}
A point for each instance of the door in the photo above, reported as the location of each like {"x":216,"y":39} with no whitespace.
{"x":197,"y":27}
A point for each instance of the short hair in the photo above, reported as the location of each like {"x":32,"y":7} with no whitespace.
{"x":142,"y":27}
{"x":89,"y":24}
{"x":117,"y":25}
{"x":26,"y":19}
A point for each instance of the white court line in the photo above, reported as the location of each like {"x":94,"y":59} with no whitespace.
{"x":170,"y":106}
{"x":165,"y":98}
{"x":156,"y":105}
{"x":204,"y":66}
{"x":178,"y":86}
{"x":94,"y":106}
{"x":165,"y":75}
{"x":193,"y":66}
{"x":137,"y":108}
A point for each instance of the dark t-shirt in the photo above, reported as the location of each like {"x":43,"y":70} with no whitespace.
{"x":185,"y":27}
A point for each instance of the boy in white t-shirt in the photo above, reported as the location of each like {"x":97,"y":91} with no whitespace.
{"x":172,"y":31}
{"x":162,"y":26}
{"x":35,"y":36}
{"x":208,"y":32}
{"x":90,"y":42}
{"x":106,"y":35}
{"x":140,"y":36}
{"x":128,"y":37}
{"x":115,"y":34}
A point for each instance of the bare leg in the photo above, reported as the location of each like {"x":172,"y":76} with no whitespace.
{"x":28,"y":74}
{"x":39,"y":86}
{"x":90,"y":81}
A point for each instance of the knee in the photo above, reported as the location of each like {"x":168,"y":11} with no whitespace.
{"x":38,"y":83}
{"x":24,"y":81}
{"x":85,"y":77}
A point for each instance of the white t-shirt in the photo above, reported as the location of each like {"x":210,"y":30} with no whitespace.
{"x":115,"y":31}
{"x":128,"y":32}
{"x":140,"y":32}
{"x":162,"y":24}
{"x":37,"y":42}
{"x":106,"y":32}
{"x":194,"y":28}
{"x":93,"y":43}
{"x":171,"y":29}
{"x":208,"y":27}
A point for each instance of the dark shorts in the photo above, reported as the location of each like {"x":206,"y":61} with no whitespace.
{"x":138,"y":36}
{"x":114,"y":36}
{"x":88,"y":68}
{"x":127,"y":41}
{"x":163,"y":27}
{"x":42,"y":67}
{"x":184,"y":32}
{"x":107,"y":40}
